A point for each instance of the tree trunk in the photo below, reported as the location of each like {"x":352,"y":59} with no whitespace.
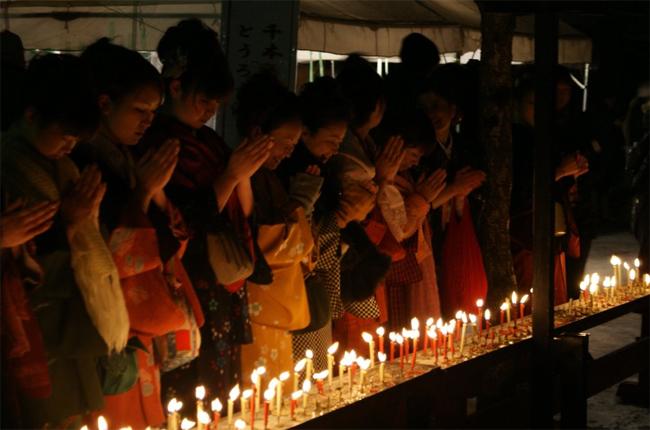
{"x":495,"y":133}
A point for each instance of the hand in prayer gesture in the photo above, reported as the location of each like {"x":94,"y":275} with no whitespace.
{"x":153,"y":172}
{"x":20,"y":224}
{"x":248,"y":157}
{"x":467,"y":180}
{"x":429,"y":187}
{"x":82,"y":202}
{"x":389,"y":160}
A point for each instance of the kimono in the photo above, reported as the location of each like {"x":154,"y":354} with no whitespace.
{"x":354,"y":168}
{"x":147,"y":248}
{"x":79,"y":304}
{"x":411,"y":284}
{"x":203,"y":158}
{"x":284,"y":237}
{"x":327,"y":239}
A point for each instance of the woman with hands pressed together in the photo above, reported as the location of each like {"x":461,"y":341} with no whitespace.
{"x":210,"y":185}
{"x":77,"y":299}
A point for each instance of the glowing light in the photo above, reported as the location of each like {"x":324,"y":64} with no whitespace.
{"x":524,"y":299}
{"x":382,"y":357}
{"x":240,"y":424}
{"x":380,"y":331}
{"x":216,"y":405}
{"x":101,"y":423}
{"x":309,"y":354}
{"x":204,"y":417}
{"x":234,"y":393}
{"x":285,"y":375}
{"x":367,"y":337}
{"x":199,"y":392}
{"x":187,"y":424}
{"x":479,"y":303}
{"x":300,"y":365}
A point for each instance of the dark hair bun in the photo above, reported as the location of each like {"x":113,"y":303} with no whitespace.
{"x":265,"y":102}
{"x":322,"y":103}
{"x":190,"y":51}
{"x":118,"y":71}
{"x":362,"y":86}
{"x":58,"y":88}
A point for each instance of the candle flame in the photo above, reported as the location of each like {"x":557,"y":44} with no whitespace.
{"x":101,"y":423}
{"x":432,"y":333}
{"x":443,"y":330}
{"x":273,"y":383}
{"x":632,"y":275}
{"x":353,"y":355}
{"x":381,"y":356}
{"x":479,"y":303}
{"x":637,"y":263}
{"x":269,"y":394}
{"x":464,"y":318}
{"x":583,"y":286}
{"x":367,"y":337}
{"x":285,"y":375}
{"x":503,"y":306}
{"x":204,"y":417}
{"x":391,"y":336}
{"x":593,"y":288}
{"x":306,"y":386}
{"x":261,"y":370}
{"x":296,"y":395}
{"x":380,"y":331}
{"x":171,"y":406}
{"x":595,"y":278}
{"x":199,"y":392}
{"x":587,"y":279}
{"x":646,"y":279}
{"x":84,"y":428}
{"x":364,"y":364}
{"x":405,"y":333}
{"x":247,"y":394}
{"x":607,"y":282}
{"x":459,"y":314}
{"x":234,"y":393}
{"x":615,"y":261}
{"x":429,"y":322}
{"x":487,"y":315}
{"x":216,"y":405}
{"x":472,"y":319}
{"x":513,"y":297}
{"x":415,"y":324}
{"x":524,"y":299}
{"x":240,"y":424}
{"x":309,"y":354}
{"x":300,"y":365}
{"x":399,"y":339}
{"x":255,"y":377}
{"x":626,"y":266}
{"x":439,"y":323}
{"x":187,"y":424}
{"x":126,"y":428}
{"x":452,"y":324}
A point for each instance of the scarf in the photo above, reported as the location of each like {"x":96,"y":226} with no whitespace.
{"x":28,"y":174}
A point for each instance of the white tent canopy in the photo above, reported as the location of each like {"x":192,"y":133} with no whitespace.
{"x":370,"y":27}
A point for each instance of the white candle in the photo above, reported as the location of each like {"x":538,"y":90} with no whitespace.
{"x":101,"y":423}
{"x":173,"y":407}
{"x":363,"y":365}
{"x":300,"y":365}
{"x":260,"y":371}
{"x":330,"y":362}
{"x":232,"y":397}
{"x":367,"y":337}
{"x":284,"y":376}
{"x":462,"y":335}
{"x":199,"y":393}
{"x":306,"y":388}
{"x":309,"y":355}
{"x":382,"y":364}
{"x":245,"y":399}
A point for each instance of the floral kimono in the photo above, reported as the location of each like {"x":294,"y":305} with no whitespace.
{"x":147,"y":248}
{"x":203,"y":157}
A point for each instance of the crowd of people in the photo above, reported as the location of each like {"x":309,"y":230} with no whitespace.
{"x":143,"y":256}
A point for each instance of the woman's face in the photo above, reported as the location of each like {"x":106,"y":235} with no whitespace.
{"x":325,"y":142}
{"x":412,"y":155}
{"x":53,"y":142}
{"x":441,"y":112}
{"x":128,"y":119}
{"x":285,"y":138}
{"x":378,"y":114}
{"x":193,"y":109}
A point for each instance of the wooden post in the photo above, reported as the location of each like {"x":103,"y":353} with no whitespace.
{"x":496,"y":139}
{"x":543,"y":219}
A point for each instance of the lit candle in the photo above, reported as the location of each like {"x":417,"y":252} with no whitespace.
{"x":309,"y":355}
{"x":367,"y":337}
{"x":391,"y":337}
{"x":462,"y":336}
{"x":295,"y":396}
{"x":502,"y":308}
{"x":459,"y":317}
{"x":487,"y":315}
{"x":245,"y":400}
{"x":450,"y":335}
{"x":101,"y":423}
{"x":382,"y":364}
{"x":646,"y":280}
{"x":632,"y":276}
{"x":593,"y":288}
{"x":284,"y":376}
{"x":434,"y":347}
{"x":428,"y":324}
{"x":479,"y":307}
{"x":363,"y":366}
{"x":522,"y":306}
{"x":306,"y":388}
{"x":607,"y":288}
{"x":273,"y":385}
{"x":330,"y":362}
{"x":514,"y":299}
{"x":380,"y":335}
{"x":199,"y":393}
{"x":240,"y":424}
{"x":406,"y":335}
{"x":216,"y":413}
{"x":616,"y":265}
{"x":508,"y":310}
{"x":443,"y":341}
{"x":173,"y":407}
{"x":342,"y":363}
{"x":203,"y":419}
{"x":583,"y":289}
{"x":318,"y":378}
{"x":300,"y":365}
{"x":415,"y":335}
{"x":268,"y":398}
{"x":232,"y":397}
{"x":185,"y":424}
{"x":257,"y":391}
